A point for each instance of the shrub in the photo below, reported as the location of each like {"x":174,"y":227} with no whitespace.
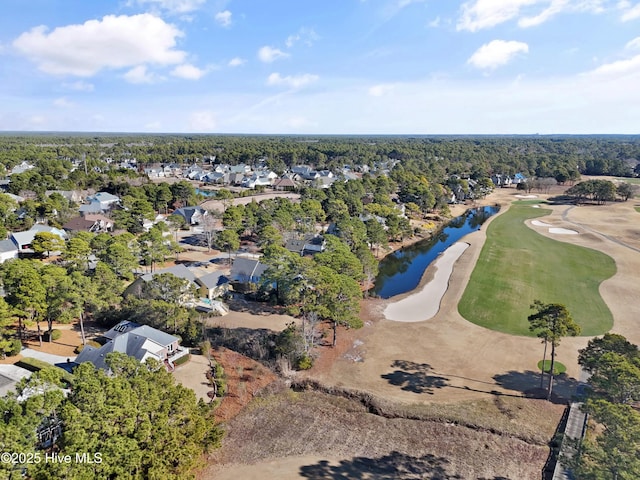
{"x":305,"y":362}
{"x":92,"y":343}
{"x":15,"y":348}
{"x":182,"y":360}
{"x":55,"y":335}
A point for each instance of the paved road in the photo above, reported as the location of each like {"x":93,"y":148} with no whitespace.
{"x":45,"y":357}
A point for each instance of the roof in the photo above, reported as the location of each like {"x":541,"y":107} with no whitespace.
{"x":246,"y":269}
{"x":188,"y":212}
{"x":26,"y":237}
{"x":296,"y":246}
{"x":104,"y":197}
{"x":213,"y":279}
{"x":180,"y":271}
{"x":138,"y":341}
{"x":7,"y":246}
{"x":78,"y":223}
{"x":122,"y":327}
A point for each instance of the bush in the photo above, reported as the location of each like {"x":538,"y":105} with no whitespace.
{"x":15,"y":348}
{"x":91,"y":343}
{"x":305,"y":362}
{"x":182,"y":360}
{"x":55,"y":335}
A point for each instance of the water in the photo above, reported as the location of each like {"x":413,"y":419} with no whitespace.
{"x":206,"y":193}
{"x":402,"y":270}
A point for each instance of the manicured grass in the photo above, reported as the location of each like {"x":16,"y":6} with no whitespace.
{"x":518,"y":265}
{"x":558,"y":367}
{"x":637,"y":209}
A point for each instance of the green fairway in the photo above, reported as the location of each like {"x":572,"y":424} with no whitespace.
{"x":518,"y":265}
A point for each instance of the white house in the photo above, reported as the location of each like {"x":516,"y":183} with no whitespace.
{"x":23,"y":240}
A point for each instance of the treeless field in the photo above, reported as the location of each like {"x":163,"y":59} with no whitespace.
{"x":445,"y":365}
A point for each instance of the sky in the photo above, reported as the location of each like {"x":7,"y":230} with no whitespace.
{"x":414,"y":67}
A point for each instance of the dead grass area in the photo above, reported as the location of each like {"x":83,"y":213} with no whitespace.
{"x":341,"y":430}
{"x":245,"y":378}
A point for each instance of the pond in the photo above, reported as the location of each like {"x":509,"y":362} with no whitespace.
{"x":206,"y":193}
{"x":402,"y":270}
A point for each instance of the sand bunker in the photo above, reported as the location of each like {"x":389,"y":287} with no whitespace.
{"x":425,"y":303}
{"x":526,"y":196}
{"x":562,"y":231}
{"x":538,"y":223}
{"x":537,"y":206}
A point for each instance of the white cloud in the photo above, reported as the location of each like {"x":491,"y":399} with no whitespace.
{"x":480,"y":14}
{"x":380,"y":90}
{"x":307,"y":36}
{"x":188,"y":72}
{"x":237,"y":62}
{"x":269,"y":54}
{"x":155,"y":125}
{"x":174,"y":6}
{"x":620,"y":68}
{"x":80,"y":86}
{"x":139,"y":75}
{"x":554,"y":8}
{"x":113,"y":42}
{"x":296,"y":81}
{"x":223,"y":18}
{"x":62,"y":102}
{"x":631,"y":13}
{"x":496,"y":53}
{"x":489,"y":13}
{"x":203,"y":121}
{"x":633,"y":44}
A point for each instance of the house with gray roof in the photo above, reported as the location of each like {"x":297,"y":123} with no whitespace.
{"x":246,"y":273}
{"x":192,"y":215}
{"x":23,"y":240}
{"x":213,"y":285}
{"x":8,"y":250}
{"x":138,"y":341}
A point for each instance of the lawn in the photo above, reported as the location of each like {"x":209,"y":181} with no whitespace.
{"x":518,"y":265}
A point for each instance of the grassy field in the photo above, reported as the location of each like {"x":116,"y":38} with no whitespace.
{"x":518,"y":265}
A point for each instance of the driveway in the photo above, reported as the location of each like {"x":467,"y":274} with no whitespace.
{"x":45,"y":357}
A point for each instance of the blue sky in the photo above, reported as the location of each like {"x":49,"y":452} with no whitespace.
{"x":321,"y":66}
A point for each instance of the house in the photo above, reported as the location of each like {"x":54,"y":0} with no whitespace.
{"x":256,"y":181}
{"x":71,"y":196}
{"x":192,"y":215}
{"x":311,"y":244}
{"x":213,"y":285}
{"x":8,"y":250}
{"x":106,"y":200}
{"x":99,"y":203}
{"x":22,"y":240}
{"x":94,"y":223}
{"x":21,"y":168}
{"x":246,"y":273}
{"x":285,"y":184}
{"x":138,"y":341}
{"x":180,"y":271}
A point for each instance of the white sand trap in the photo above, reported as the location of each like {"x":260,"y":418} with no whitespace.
{"x":526,"y":196}
{"x":424,"y":304}
{"x":538,"y":223}
{"x":562,"y":231}
{"x":537,"y":206}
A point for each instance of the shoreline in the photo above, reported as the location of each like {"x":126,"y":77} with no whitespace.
{"x":423,"y":302}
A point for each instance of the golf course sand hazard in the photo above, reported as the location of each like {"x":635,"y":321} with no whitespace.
{"x":425,"y":303}
{"x":538,"y":223}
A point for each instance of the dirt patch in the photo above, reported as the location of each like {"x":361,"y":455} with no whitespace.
{"x":323,"y":436}
{"x":245,"y":379}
